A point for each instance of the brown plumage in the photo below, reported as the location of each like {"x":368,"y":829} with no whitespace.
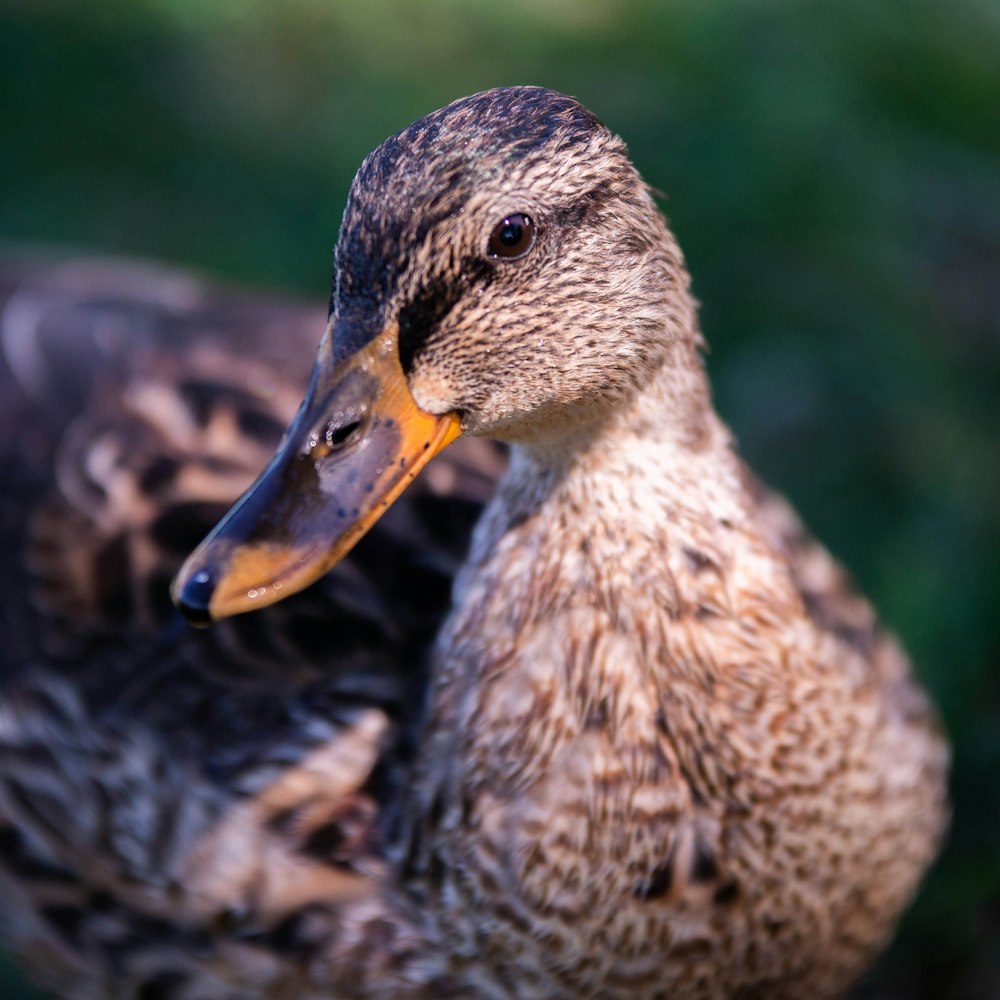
{"x":667,"y":752}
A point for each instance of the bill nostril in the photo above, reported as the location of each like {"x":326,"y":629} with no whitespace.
{"x":335,"y":437}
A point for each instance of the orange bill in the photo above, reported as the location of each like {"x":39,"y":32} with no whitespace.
{"x":358,"y":441}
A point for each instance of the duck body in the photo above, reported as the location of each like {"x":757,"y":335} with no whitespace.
{"x":711,"y":775}
{"x":660,"y":748}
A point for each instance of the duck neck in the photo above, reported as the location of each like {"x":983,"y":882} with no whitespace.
{"x":594,"y":547}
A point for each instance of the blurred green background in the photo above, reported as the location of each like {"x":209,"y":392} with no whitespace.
{"x":832,"y":170}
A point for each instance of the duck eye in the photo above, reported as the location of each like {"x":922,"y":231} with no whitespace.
{"x":513,"y":237}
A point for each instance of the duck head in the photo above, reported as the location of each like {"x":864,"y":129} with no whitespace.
{"x":501,"y":270}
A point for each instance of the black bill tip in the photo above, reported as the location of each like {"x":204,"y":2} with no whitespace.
{"x":194,"y":597}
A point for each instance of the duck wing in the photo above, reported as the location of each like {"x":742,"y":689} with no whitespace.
{"x":167,"y":793}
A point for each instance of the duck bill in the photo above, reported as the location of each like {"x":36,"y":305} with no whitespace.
{"x":358,"y":441}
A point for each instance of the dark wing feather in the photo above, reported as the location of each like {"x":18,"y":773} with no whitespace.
{"x":156,"y":783}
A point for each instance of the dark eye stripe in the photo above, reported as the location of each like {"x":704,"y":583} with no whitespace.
{"x":432,"y":302}
{"x":513,"y":237}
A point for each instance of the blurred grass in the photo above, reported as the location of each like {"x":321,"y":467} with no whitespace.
{"x":832,"y":170}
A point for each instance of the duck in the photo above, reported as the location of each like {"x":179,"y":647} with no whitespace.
{"x":642,"y":739}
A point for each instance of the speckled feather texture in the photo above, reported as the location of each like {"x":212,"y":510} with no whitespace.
{"x":660,"y":748}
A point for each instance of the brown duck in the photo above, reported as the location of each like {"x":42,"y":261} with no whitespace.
{"x":665,"y":750}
